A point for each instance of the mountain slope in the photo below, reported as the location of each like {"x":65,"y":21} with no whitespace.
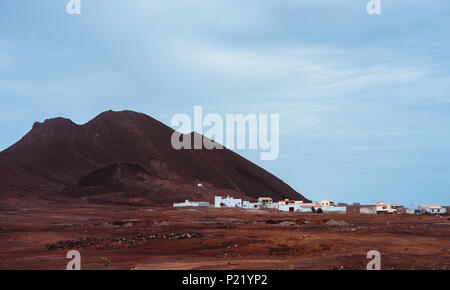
{"x":65,"y":155}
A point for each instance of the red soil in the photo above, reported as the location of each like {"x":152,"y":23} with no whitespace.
{"x":221,"y":239}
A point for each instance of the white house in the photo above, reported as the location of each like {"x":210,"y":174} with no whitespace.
{"x":412,"y":211}
{"x":293,"y":206}
{"x":287,"y":201}
{"x":250,"y":205}
{"x":227,"y":202}
{"x":337,"y":209}
{"x":187,"y":203}
{"x":265,"y":200}
{"x":288,"y":206}
{"x":326,"y":203}
{"x":384,"y":208}
{"x":308,"y":207}
{"x":432,"y":208}
{"x":271,"y":205}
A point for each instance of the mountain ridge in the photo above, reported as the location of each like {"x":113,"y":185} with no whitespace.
{"x":63,"y":153}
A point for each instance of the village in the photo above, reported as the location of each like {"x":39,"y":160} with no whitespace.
{"x":324,"y":206}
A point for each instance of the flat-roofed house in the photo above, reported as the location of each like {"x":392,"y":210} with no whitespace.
{"x":188,"y":203}
{"x":289,"y":206}
{"x":384,"y":208}
{"x":286,"y":201}
{"x":432,"y":208}
{"x":326,"y":203}
{"x":250,"y":205}
{"x":227,"y":202}
{"x":265,"y":200}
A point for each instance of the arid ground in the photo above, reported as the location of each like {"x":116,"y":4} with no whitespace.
{"x":127,"y":237}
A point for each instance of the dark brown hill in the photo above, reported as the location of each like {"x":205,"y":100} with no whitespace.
{"x":125,"y":153}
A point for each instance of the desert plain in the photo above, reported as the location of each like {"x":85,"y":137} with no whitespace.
{"x":123,"y":237}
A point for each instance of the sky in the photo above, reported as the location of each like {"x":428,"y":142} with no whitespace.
{"x":364,"y":100}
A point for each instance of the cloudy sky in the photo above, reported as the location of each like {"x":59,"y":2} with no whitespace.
{"x":364,"y":100}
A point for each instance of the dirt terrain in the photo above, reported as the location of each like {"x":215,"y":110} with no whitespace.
{"x":129,"y":237}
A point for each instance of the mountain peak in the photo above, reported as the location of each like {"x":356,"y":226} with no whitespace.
{"x":56,"y":123}
{"x":67,"y":153}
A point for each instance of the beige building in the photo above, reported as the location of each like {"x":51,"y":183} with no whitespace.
{"x":326,"y":203}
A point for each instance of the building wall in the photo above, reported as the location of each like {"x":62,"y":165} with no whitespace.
{"x":341,"y":209}
{"x":368,"y":209}
{"x":271,"y":206}
{"x":432,"y":210}
{"x":250,"y":205}
{"x":353,"y":208}
{"x":227,"y":202}
{"x":287,"y":207}
{"x":357,"y":208}
{"x":401,"y":210}
{"x":191,"y":203}
{"x":260,"y":200}
{"x":298,"y":207}
{"x":412,"y":211}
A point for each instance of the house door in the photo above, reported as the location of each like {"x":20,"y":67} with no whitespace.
{"x":291,"y":209}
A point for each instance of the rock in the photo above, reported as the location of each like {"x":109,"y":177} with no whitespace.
{"x":336,"y":223}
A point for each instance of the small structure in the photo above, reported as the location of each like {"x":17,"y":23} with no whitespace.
{"x":357,"y":208}
{"x":432,"y":208}
{"x":265,"y":200}
{"x":384,"y":208}
{"x":308,"y":207}
{"x":414,"y":211}
{"x":250,"y":205}
{"x":188,"y":203}
{"x":326,"y":203}
{"x":271,"y":205}
{"x":399,"y":208}
{"x":447,"y":208}
{"x":287,"y":201}
{"x":227,"y":202}
{"x":288,"y":206}
{"x":336,"y":209}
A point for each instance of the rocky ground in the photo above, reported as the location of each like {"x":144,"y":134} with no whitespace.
{"x":127,"y":237}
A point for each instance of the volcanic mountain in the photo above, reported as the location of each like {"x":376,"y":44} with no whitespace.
{"x":126,"y":157}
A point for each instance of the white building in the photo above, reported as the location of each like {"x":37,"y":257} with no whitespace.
{"x":227,"y":202}
{"x":271,"y":205}
{"x":187,"y":203}
{"x":296,"y":206}
{"x":250,"y":205}
{"x":432,"y":208}
{"x":288,"y":206}
{"x":412,"y":211}
{"x":337,"y":209}
{"x":326,"y":203}
{"x":308,"y":207}
{"x":265,"y":200}
{"x":287,"y":201}
{"x":385,"y":208}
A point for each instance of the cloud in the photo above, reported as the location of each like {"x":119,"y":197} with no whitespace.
{"x":7,"y":54}
{"x":297,"y":72}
